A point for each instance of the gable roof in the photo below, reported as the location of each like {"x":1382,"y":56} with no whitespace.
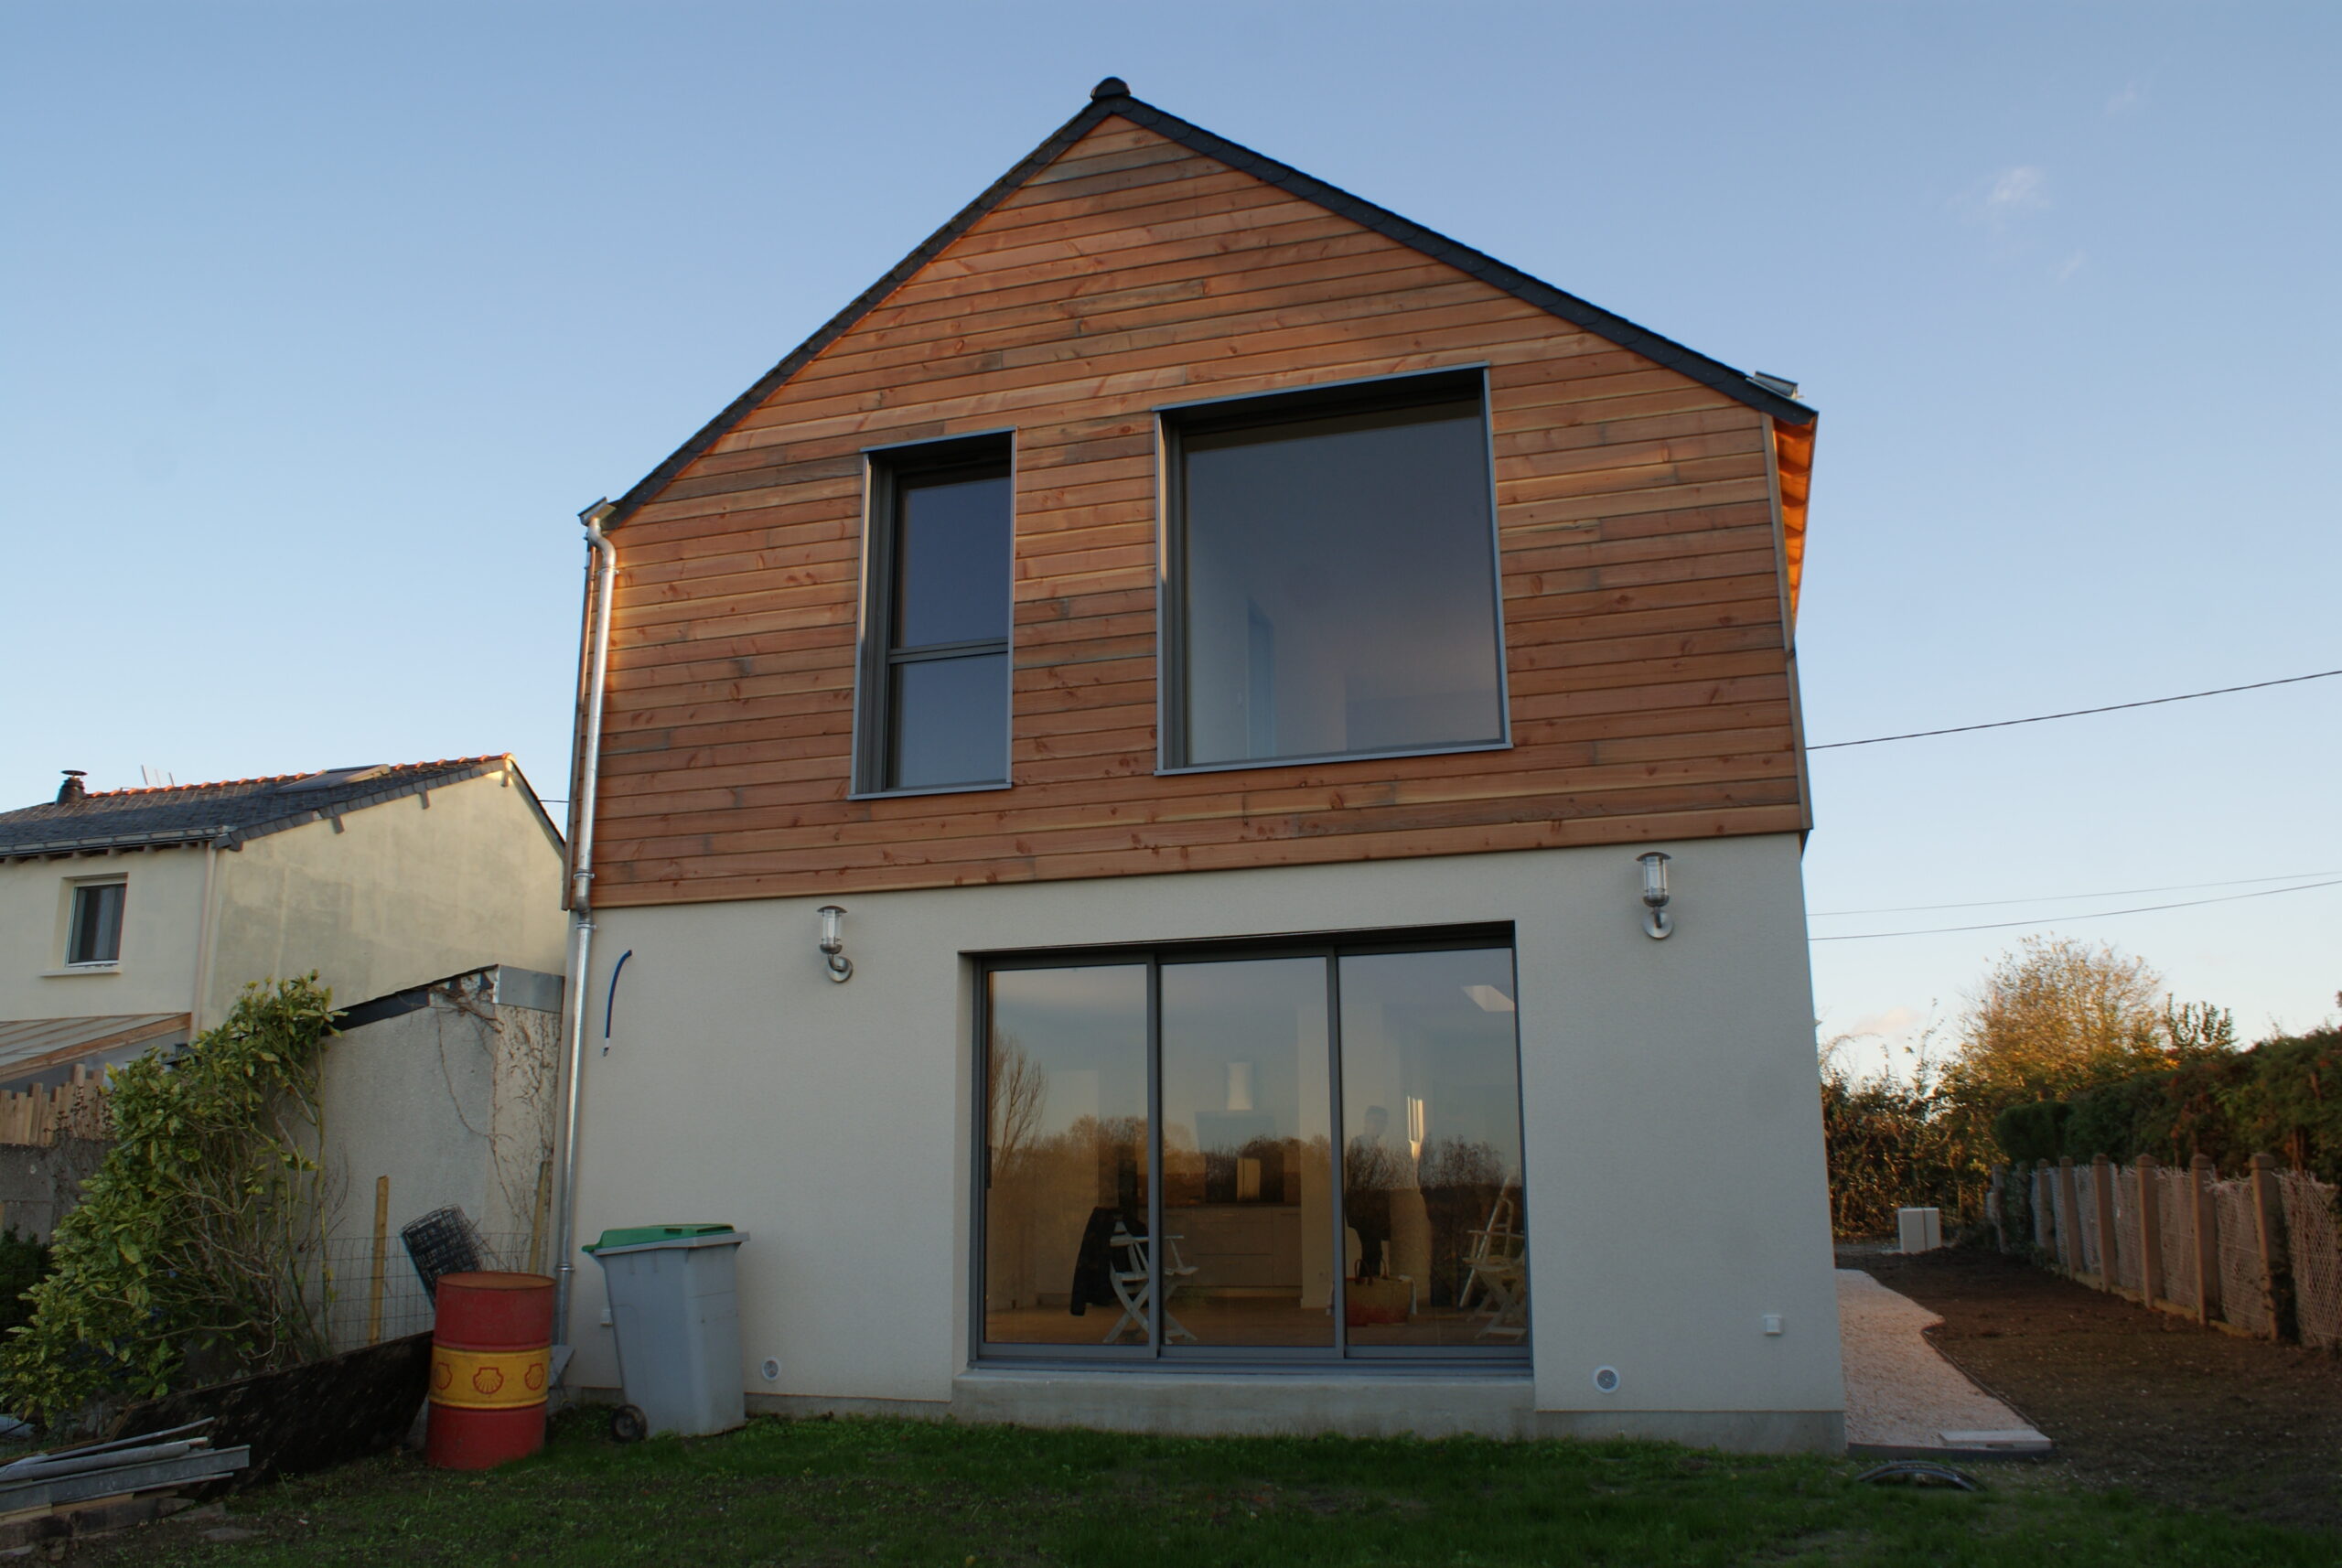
{"x":228,"y":814}
{"x":1111,"y":98}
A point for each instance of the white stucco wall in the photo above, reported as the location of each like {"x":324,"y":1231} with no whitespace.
{"x":1674,"y":1167}
{"x":402,"y":895}
{"x":156,"y":973}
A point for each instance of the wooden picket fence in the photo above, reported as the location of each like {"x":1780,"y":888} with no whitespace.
{"x":39,"y":1116}
{"x":2257,"y":1253}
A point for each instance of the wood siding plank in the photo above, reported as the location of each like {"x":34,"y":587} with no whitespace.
{"x":1650,"y":685}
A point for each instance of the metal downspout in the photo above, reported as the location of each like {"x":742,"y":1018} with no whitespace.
{"x":581,"y":914}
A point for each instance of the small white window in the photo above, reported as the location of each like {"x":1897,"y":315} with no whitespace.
{"x":95,"y":935}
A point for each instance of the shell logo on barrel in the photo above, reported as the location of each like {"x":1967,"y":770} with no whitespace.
{"x":487,"y":1380}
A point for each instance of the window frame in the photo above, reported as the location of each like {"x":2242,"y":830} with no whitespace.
{"x":75,"y":889}
{"x":875,"y":657}
{"x":1512,"y":1360}
{"x":1357,"y":395}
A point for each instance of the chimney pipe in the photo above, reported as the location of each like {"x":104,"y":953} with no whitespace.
{"x":71,"y":790}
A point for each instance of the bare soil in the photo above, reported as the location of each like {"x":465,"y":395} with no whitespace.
{"x":2138,"y":1400}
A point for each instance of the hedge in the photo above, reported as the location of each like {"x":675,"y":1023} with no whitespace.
{"x":2284,"y":1097}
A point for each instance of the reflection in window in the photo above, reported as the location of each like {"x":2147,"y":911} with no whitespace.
{"x":95,"y":934}
{"x":1260,"y":1238}
{"x":936,"y":692}
{"x":1431,"y":1151}
{"x":1337,"y":579}
{"x":1248,"y":1152}
{"x":1066,"y":1156}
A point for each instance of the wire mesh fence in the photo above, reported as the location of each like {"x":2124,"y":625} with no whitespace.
{"x":366,"y":1295}
{"x":2127,"y":1263}
{"x":2314,"y":1240}
{"x":2244,"y":1299}
{"x":2260,"y":1252}
{"x":2061,"y":1221}
{"x":2086,"y":1227}
{"x":2175,"y":1219}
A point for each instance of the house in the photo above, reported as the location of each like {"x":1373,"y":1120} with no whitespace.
{"x":131,"y":919}
{"x":1195,"y":824}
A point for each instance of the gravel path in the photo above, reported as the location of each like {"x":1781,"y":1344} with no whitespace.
{"x":1899,"y":1392}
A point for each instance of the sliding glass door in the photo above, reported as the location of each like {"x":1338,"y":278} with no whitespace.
{"x":1265,"y":1154}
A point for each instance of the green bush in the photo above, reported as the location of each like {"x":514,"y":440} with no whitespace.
{"x":2030,"y":1132}
{"x":193,"y":1235}
{"x":2283,"y":1096}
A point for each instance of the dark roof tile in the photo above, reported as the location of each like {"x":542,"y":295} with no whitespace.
{"x":233,"y":811}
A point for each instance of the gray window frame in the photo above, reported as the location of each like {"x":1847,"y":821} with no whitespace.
{"x":1156,"y":1355}
{"x":89,"y":889}
{"x":1172,"y":421}
{"x":875,"y":657}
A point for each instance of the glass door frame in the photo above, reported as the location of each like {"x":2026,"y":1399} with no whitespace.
{"x":1154,"y":1354}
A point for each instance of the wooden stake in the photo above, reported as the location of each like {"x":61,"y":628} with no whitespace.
{"x":2150,"y":1232}
{"x":2204,"y":1225}
{"x":2269,"y":1230}
{"x":2069,"y":1216}
{"x":2102,"y":1193}
{"x":381,"y":1253}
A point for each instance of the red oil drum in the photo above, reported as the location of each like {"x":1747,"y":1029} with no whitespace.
{"x":490,"y":1355}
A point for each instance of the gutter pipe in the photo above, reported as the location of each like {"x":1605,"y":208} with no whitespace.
{"x":605,"y":555}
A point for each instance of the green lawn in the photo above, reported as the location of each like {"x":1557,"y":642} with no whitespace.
{"x":905,"y":1492}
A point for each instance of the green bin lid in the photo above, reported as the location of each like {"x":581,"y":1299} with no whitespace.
{"x":636,"y":1235}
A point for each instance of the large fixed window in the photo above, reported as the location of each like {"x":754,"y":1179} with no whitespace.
{"x":1286,"y":1153}
{"x":934,"y":676}
{"x":1331,"y":575}
{"x":94,"y":933}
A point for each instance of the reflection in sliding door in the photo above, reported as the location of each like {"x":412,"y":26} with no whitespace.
{"x":1247,"y":1154}
{"x":1065,"y":1154}
{"x":1431,"y":1150}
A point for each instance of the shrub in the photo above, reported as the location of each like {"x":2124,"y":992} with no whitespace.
{"x":2030,"y":1132}
{"x":192,"y":1235}
{"x":1888,"y":1146}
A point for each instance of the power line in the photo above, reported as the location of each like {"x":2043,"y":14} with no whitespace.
{"x":2077,"y":713}
{"x":2087,"y":914}
{"x":2061,"y":897}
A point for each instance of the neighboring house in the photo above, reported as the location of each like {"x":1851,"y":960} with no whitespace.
{"x":132,"y":918}
{"x":1226,"y":649}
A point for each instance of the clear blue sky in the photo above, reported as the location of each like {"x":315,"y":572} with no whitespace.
{"x":319,"y":322}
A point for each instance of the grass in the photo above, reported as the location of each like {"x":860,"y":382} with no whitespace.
{"x":885,"y":1492}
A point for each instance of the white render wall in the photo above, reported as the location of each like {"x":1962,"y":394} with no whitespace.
{"x":402,"y":895}
{"x":1676,"y":1191}
{"x":160,"y":912}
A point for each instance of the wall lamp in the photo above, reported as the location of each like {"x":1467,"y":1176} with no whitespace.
{"x":833,"y":943}
{"x":1656,"y":924}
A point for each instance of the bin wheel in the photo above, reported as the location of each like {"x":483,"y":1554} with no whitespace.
{"x":628,"y":1424}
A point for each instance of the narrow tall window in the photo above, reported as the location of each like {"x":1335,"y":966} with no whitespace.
{"x":95,"y":935}
{"x":1333,"y":576}
{"x":935,"y":658}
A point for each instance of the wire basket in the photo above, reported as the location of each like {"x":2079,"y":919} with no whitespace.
{"x":444,"y":1241}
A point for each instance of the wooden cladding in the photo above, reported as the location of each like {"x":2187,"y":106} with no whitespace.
{"x":1641,"y":557}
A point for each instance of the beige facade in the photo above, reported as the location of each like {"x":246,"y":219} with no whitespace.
{"x":392,"y":897}
{"x":375,"y":900}
{"x":1674,"y":1172}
